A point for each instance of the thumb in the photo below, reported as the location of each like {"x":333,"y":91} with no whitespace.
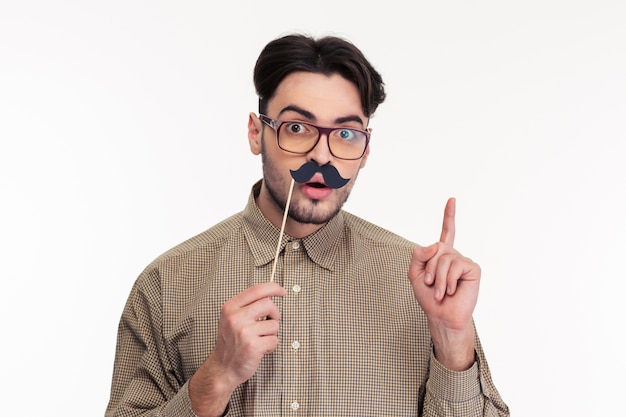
{"x":423,"y":254}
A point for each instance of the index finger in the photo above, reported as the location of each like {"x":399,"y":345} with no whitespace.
{"x":448,"y":229}
{"x":258,"y":292}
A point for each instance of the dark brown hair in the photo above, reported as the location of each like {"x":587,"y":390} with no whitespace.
{"x":328,"y":55}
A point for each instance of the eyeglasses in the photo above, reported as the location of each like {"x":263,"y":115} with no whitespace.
{"x":299,"y":137}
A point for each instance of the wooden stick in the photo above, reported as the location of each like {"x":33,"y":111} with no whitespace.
{"x":282,"y":230}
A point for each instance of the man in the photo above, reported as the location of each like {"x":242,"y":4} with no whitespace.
{"x":357,"y":321}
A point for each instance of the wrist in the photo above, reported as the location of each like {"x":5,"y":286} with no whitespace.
{"x":209,"y":392}
{"x":454,"y":349}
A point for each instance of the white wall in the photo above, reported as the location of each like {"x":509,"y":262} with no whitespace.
{"x":122,"y":129}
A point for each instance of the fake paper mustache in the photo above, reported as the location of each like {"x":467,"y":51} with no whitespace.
{"x":329,"y":172}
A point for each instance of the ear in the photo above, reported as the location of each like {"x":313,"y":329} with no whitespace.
{"x":255,"y":133}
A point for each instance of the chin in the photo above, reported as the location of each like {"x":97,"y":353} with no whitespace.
{"x":314,"y":212}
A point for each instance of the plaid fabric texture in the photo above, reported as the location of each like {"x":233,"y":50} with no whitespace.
{"x":353,"y":339}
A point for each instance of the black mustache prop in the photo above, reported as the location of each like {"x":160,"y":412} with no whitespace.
{"x":332,"y":178}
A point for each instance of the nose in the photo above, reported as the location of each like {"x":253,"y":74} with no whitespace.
{"x":321,"y":152}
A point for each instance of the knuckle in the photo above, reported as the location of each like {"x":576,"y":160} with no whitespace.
{"x":249,"y":345}
{"x":226,"y":315}
{"x":447,"y":257}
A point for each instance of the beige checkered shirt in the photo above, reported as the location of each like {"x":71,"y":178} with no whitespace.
{"x":353,"y":340}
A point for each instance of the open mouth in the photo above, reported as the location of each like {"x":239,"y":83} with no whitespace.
{"x":316,"y":184}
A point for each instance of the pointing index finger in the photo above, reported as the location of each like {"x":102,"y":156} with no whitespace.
{"x":448,"y":229}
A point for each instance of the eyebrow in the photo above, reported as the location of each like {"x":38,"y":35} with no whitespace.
{"x":308,"y":115}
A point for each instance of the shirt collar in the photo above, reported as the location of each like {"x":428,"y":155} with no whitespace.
{"x":262,"y":236}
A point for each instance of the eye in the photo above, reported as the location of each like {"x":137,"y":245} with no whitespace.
{"x":296,"y":128}
{"x":346,"y":134}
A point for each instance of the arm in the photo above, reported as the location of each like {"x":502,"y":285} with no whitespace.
{"x":446,"y":285}
{"x":145,"y":383}
{"x":469,"y":393}
{"x":248,"y":330}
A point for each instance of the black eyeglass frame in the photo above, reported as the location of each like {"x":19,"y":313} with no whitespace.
{"x":275,"y":124}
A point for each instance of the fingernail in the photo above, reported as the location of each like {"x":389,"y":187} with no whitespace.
{"x":428,"y":279}
{"x":437,"y":294}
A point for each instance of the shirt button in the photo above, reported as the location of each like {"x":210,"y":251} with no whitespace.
{"x":295,"y":245}
{"x":295,"y":345}
{"x":296,"y":288}
{"x":295,"y":406}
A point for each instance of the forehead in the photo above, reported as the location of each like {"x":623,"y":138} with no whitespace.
{"x":327,"y":97}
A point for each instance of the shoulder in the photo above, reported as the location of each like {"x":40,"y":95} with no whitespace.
{"x":372,"y":234}
{"x":214,"y":236}
{"x":198,"y":249}
{"x":378,"y":245}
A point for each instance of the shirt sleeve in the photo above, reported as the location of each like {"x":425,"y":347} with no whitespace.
{"x":467,"y":393}
{"x":144,"y":381}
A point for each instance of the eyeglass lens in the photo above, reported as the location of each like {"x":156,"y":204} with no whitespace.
{"x":303,"y":137}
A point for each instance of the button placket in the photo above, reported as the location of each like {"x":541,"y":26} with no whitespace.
{"x":294,"y":320}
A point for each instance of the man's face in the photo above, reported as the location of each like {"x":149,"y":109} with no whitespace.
{"x":313,"y":98}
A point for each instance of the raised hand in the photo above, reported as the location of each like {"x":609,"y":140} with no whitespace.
{"x":248,"y":330}
{"x":446,"y":285}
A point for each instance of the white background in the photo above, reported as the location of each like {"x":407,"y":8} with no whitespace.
{"x":123,"y":132}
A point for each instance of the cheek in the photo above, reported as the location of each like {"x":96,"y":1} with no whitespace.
{"x":279,"y":167}
{"x":349,"y":170}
